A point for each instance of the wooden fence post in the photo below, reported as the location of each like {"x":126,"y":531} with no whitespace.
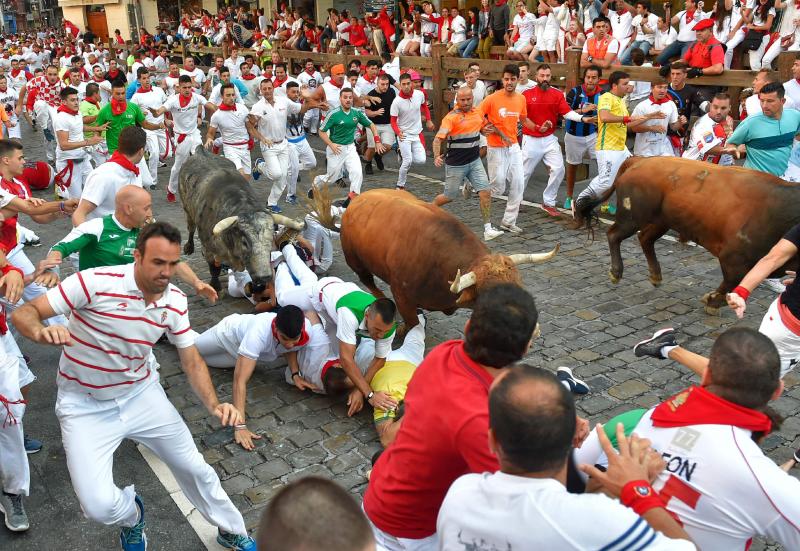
{"x":573,"y":77}
{"x":785,"y":62}
{"x":438,"y":52}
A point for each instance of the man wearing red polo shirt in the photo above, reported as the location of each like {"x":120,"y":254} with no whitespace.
{"x":544,"y":105}
{"x":446,"y":424}
{"x":706,"y":57}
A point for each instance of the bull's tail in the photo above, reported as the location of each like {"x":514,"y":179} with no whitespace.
{"x":319,"y":206}
{"x":586,"y":210}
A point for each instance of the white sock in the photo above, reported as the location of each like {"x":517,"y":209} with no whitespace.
{"x":487,"y":226}
{"x":665,"y":350}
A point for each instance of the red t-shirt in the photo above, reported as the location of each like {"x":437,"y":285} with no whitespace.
{"x":358,"y":36}
{"x":8,"y":227}
{"x":705,"y":55}
{"x":544,"y":106}
{"x":445,"y":434}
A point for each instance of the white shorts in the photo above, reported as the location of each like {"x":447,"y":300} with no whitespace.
{"x":548,"y":43}
{"x":580,"y":148}
{"x":385,"y":133}
{"x":239,"y":155}
{"x":521,"y":45}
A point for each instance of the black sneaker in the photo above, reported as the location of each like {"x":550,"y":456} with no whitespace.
{"x":368,"y":168}
{"x":653,"y":345}
{"x":379,"y":161}
{"x":575,"y":385}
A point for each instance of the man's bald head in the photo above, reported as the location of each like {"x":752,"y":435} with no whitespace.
{"x":464,"y":98}
{"x":133,"y":206}
{"x":532,"y":420}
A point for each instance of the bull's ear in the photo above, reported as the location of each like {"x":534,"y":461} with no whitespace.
{"x":224,"y":224}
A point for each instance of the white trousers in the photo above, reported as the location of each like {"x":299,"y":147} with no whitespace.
{"x":787,"y":343}
{"x":217,"y":345}
{"x":756,"y":56}
{"x":737,"y":39}
{"x":505,"y":166}
{"x":80,"y":171}
{"x":608,"y":163}
{"x":182,"y":152}
{"x":301,"y":157}
{"x":236,"y":284}
{"x":387,"y":542}
{"x":92,"y":430}
{"x":99,"y":153}
{"x":15,"y":131}
{"x":14,"y":469}
{"x":18,"y":258}
{"x":43,"y":114}
{"x":287,"y":291}
{"x":277,"y":169}
{"x":536,"y":149}
{"x":771,"y":53}
{"x":348,"y":160}
{"x":156,"y":146}
{"x":311,"y":120}
{"x":412,"y":150}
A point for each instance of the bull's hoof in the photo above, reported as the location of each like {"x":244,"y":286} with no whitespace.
{"x":215,"y":284}
{"x":188,"y":248}
{"x":711,"y":311}
{"x":655,"y":280}
{"x":613,"y":277}
{"x":705,"y":298}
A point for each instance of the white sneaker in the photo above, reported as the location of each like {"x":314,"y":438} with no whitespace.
{"x":513,"y":228}
{"x":491,"y":233}
{"x":774,"y":284}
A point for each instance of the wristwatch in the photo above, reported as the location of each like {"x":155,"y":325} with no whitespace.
{"x":370,"y":395}
{"x":298,"y":372}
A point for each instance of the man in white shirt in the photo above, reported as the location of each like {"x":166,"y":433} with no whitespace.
{"x":686,"y":20}
{"x":367,"y":82}
{"x":149,"y":97}
{"x":406,"y":111}
{"x":792,"y":86}
{"x":644,"y":25}
{"x":651,"y":135}
{"x":532,"y":425}
{"x":161,"y":65}
{"x":524,"y":23}
{"x":72,"y":156}
{"x":186,"y":108}
{"x":99,"y":408}
{"x":236,"y":130}
{"x":251,"y":83}
{"x":196,"y":73}
{"x":234,"y":61}
{"x":524,"y":83}
{"x":621,"y":19}
{"x":665,"y":35}
{"x":281,"y":79}
{"x":269,"y":117}
{"x":216,"y":92}
{"x":8,"y":101}
{"x":301,"y":156}
{"x":310,"y":78}
{"x":103,"y":183}
{"x":718,"y":481}
{"x":710,"y":133}
{"x":764,"y":76}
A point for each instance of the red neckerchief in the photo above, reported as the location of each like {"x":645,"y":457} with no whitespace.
{"x":118,"y":107}
{"x":331,"y":81}
{"x":143,"y":91}
{"x":665,"y":99}
{"x":277,"y":83}
{"x":698,"y":406}
{"x":223,"y":107}
{"x":409,"y":96}
{"x":621,"y":12}
{"x":101,"y":79}
{"x":248,"y":77}
{"x":312,"y":71}
{"x":15,"y":72}
{"x":64,"y":109}
{"x":113,"y":75}
{"x":184,"y":100}
{"x":797,"y":80}
{"x":303,"y":335}
{"x":95,"y":102}
{"x":124,"y":162}
{"x":689,"y":16}
{"x":370,"y":80}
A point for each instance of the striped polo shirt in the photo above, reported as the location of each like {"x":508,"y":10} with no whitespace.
{"x":113,"y":331}
{"x":577,"y":98}
{"x":463,"y":133}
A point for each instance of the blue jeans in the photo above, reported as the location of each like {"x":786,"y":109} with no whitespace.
{"x":455,"y":175}
{"x":643,"y":45}
{"x":466,"y":48}
{"x":674,"y":49}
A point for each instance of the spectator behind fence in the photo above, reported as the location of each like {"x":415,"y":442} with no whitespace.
{"x":314,"y":514}
{"x":526,"y":504}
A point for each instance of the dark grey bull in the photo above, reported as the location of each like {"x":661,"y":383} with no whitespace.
{"x":233,"y":229}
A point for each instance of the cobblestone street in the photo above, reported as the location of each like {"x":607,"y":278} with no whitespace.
{"x":588,"y":324}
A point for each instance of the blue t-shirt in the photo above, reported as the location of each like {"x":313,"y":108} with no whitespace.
{"x":768,"y":141}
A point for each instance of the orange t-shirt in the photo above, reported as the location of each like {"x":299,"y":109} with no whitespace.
{"x":504,"y":112}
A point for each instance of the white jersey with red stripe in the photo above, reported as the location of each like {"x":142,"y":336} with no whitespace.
{"x":113,"y":331}
{"x":184,"y":117}
{"x":231,"y":125}
{"x":720,"y":484}
{"x":707,"y":134}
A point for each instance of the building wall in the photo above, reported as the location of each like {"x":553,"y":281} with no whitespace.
{"x":75,"y":15}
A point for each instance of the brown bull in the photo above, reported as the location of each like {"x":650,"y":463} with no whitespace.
{"x":421,"y":251}
{"x":735,"y":213}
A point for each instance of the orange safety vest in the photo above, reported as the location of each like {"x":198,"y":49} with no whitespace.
{"x":597,"y":49}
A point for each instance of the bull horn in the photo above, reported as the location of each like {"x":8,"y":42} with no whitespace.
{"x":224,"y":224}
{"x":289,"y":222}
{"x":461,"y":282}
{"x":533,"y":258}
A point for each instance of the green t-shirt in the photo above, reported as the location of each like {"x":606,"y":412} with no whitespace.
{"x":101,"y":242}
{"x":89,"y":109}
{"x":341,"y":126}
{"x":130,"y":117}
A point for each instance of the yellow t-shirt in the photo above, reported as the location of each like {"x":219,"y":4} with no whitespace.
{"x":611,"y":136}
{"x":392,"y":379}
